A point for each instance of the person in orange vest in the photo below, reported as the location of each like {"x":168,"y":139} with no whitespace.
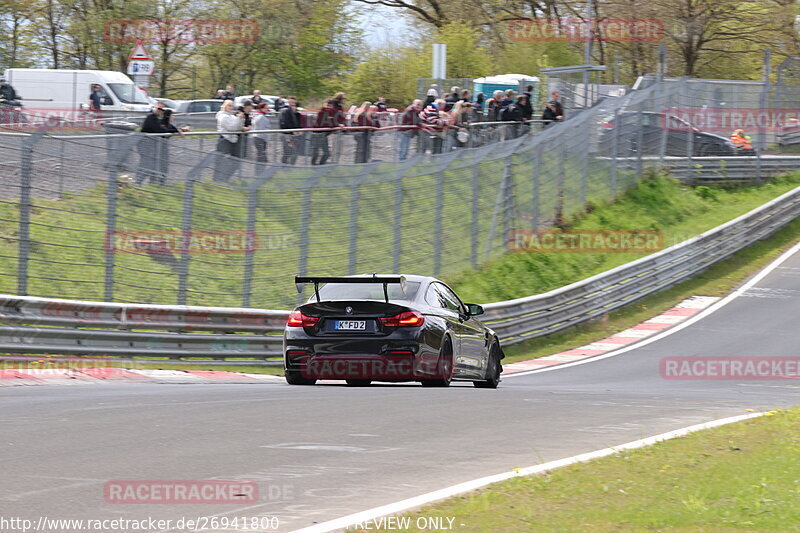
{"x":740,"y":140}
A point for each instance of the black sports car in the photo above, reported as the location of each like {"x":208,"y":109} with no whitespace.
{"x":643,"y":132}
{"x":388,"y":328}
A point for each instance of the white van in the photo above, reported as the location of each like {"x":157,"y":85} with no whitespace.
{"x":70,"y":89}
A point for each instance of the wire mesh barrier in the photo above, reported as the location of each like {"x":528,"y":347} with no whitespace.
{"x":253,"y":336}
{"x":188,"y":220}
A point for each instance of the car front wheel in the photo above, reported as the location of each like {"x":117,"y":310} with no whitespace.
{"x":493,"y":370}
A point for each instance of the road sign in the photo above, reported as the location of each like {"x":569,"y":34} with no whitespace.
{"x":142,"y":68}
{"x":139,"y":53}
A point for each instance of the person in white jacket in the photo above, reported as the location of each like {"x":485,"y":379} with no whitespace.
{"x":229,"y":122}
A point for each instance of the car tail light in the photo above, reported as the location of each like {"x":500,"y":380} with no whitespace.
{"x":607,"y":126}
{"x":407,"y":319}
{"x":298,"y":320}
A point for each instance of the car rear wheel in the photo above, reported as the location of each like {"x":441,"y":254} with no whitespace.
{"x":444,"y":367}
{"x":295,"y":378}
{"x":492,"y":371}
{"x":358,"y":382}
{"x":704,"y":151}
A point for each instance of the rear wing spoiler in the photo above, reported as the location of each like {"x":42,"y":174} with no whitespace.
{"x":300,"y":282}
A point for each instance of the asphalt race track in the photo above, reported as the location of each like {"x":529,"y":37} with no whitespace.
{"x":321,"y":452}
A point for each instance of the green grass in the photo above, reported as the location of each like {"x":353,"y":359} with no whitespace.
{"x":743,"y":477}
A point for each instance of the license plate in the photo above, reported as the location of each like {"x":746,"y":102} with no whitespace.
{"x":350,"y":325}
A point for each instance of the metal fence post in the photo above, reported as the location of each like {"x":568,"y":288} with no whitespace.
{"x":537,"y":158}
{"x":355,"y":197}
{"x":183,"y":265}
{"x":398,"y":218}
{"x":302,"y":260}
{"x":111,"y":228}
{"x":252,"y":204}
{"x":508,"y":197}
{"x":615,"y":153}
{"x":188,"y":203}
{"x":473,"y":239}
{"x":585,"y":164}
{"x":25,"y":184}
{"x":437,"y":230}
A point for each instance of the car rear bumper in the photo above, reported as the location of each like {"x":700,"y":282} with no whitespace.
{"x":395,"y":365}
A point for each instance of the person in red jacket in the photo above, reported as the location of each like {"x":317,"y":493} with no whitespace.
{"x":410,"y":120}
{"x":366,"y":119}
{"x":328,"y":117}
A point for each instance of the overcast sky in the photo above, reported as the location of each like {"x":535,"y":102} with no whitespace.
{"x":382,"y":26}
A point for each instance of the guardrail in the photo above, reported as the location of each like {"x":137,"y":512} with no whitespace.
{"x":716,"y":169}
{"x":41,"y":326}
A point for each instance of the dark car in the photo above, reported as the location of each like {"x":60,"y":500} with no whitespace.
{"x":388,"y":328}
{"x":643,"y":132}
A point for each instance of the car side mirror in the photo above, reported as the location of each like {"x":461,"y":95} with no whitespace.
{"x":106,"y":100}
{"x":474,"y":309}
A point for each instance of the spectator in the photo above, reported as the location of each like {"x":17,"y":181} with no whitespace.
{"x":7,"y":92}
{"x":433,"y":94}
{"x":170,"y":128}
{"x":95,"y":98}
{"x":219,"y":95}
{"x":433,"y":121}
{"x":507,"y":98}
{"x":549,"y":113}
{"x":511,"y":113}
{"x":229,"y":122}
{"x":230,"y":94}
{"x":452,"y":98}
{"x":411,"y":120}
{"x":381,"y":104}
{"x":459,"y":119}
{"x":280,"y":103}
{"x":559,"y":109}
{"x":524,"y":104}
{"x":529,"y":93}
{"x":152,"y":160}
{"x":289,"y":119}
{"x":257,"y":99}
{"x":480,"y":100}
{"x":466,"y":96}
{"x":492,"y":107}
{"x":261,"y":122}
{"x":247,"y":110}
{"x":338,"y":103}
{"x":366,"y":119}
{"x":328,"y":117}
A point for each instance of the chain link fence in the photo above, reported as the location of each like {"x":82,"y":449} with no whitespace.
{"x":132,"y":218}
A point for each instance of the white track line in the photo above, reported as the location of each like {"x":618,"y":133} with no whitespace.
{"x":699,"y":316}
{"x":410,"y":503}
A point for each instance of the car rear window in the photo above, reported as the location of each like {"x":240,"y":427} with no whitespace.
{"x":366,"y":291}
